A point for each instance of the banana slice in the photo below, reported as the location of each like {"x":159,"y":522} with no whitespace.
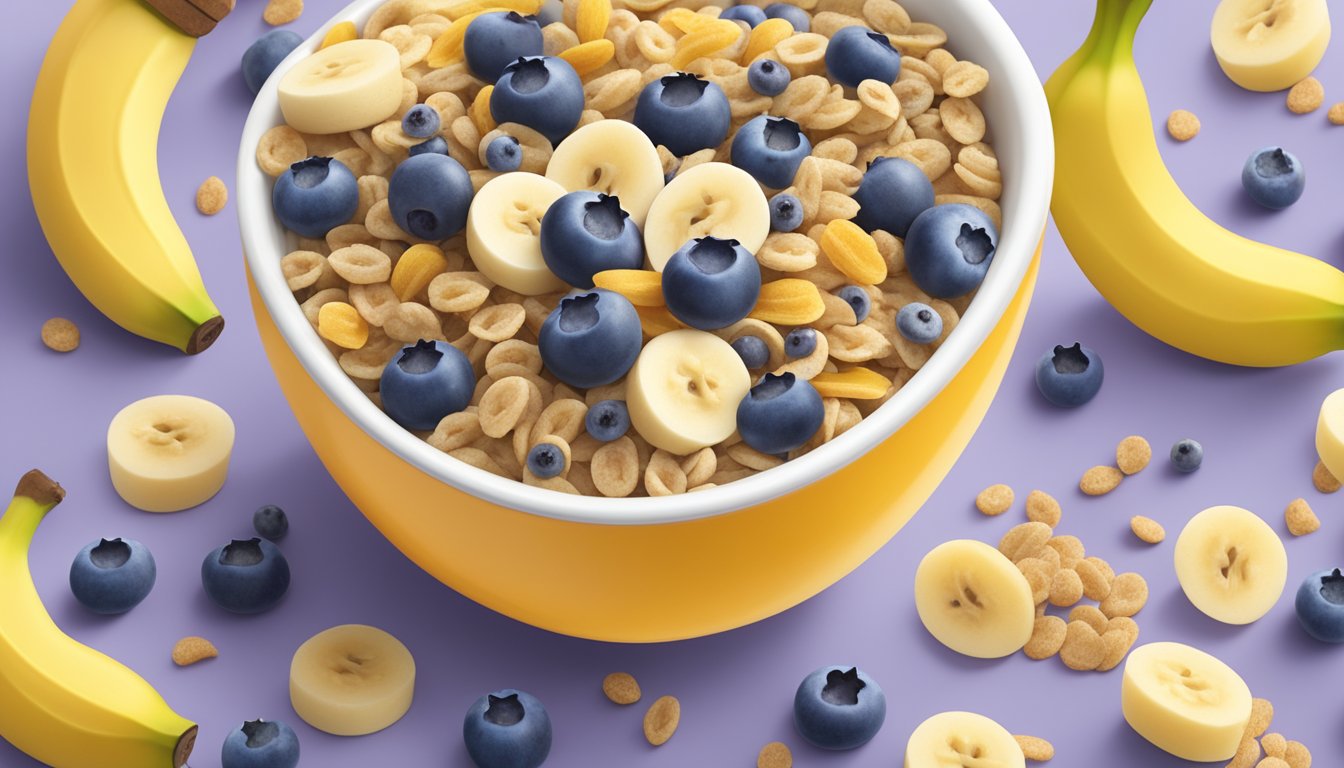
{"x":1185,"y":701}
{"x":351,"y":680}
{"x":1268,"y":45}
{"x":710,"y":199}
{"x":1231,"y":564}
{"x":169,"y":452}
{"x":503,"y":232}
{"x":612,"y":157}
{"x":1330,"y":433}
{"x":962,"y":738}
{"x":974,"y":600}
{"x":684,"y":390}
{"x":342,"y":88}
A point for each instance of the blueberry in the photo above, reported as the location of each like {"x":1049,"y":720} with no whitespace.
{"x":586,"y":232}
{"x":1069,"y":376}
{"x":683,"y":113}
{"x":421,"y":122}
{"x":858,"y":300}
{"x":591,"y":339}
{"x":710,"y":283}
{"x":770,"y":149}
{"x":800,"y":19}
{"x":507,"y":729}
{"x":245,"y":576}
{"x":893,"y":192}
{"x":1187,"y":455}
{"x":753,"y":350}
{"x":261,"y":744}
{"x":494,"y":40}
{"x":949,"y":248}
{"x":838,"y":708}
{"x":786,"y":212}
{"x":551,"y":12}
{"x":1320,"y":606}
{"x":858,"y":53}
{"x":270,"y":522}
{"x":435,"y":145}
{"x":608,"y":420}
{"x":779,"y":414}
{"x":265,"y":54}
{"x":315,"y":195}
{"x":425,"y":382}
{"x":767,"y":76}
{"x":112,"y":576}
{"x":919,"y":323}
{"x":542,"y":92}
{"x":1274,"y":178}
{"x":503,"y":154}
{"x":748,"y":13}
{"x":429,"y":195}
{"x":800,"y":342}
{"x":546,"y":460}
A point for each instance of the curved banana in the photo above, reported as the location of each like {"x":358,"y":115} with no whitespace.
{"x":1151,"y":253}
{"x":61,"y":702}
{"x":93,"y":132}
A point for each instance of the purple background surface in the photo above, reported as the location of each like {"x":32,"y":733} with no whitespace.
{"x":736,"y":689}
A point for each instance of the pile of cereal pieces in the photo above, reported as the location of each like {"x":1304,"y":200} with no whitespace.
{"x":641,"y":249}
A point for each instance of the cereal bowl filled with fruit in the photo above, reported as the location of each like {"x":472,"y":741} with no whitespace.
{"x":644,"y":320}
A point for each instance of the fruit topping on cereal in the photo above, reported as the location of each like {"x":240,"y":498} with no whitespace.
{"x":612,"y":157}
{"x":1231,"y":564}
{"x":1185,"y":701}
{"x":1274,"y":178}
{"x":543,"y":93}
{"x":962,"y":738}
{"x":710,"y":199}
{"x":265,"y":54}
{"x":857,"y":53}
{"x":948,"y":249}
{"x":786,"y":212}
{"x":429,"y":196}
{"x":503,"y":154}
{"x":245,"y":575}
{"x":780,"y":414}
{"x":607,"y":420}
{"x":590,"y":339}
{"x":584,"y":233}
{"x":1320,"y":606}
{"x":421,"y":122}
{"x":504,"y":232}
{"x":112,"y":576}
{"x":711,"y":283}
{"x":546,"y":460}
{"x":1069,"y":376}
{"x":270,"y":522}
{"x":346,"y":87}
{"x":799,"y":19}
{"x":351,"y":680}
{"x":748,"y":13}
{"x":753,"y":350}
{"x":495,"y":40}
{"x":507,"y":729}
{"x":261,"y":744}
{"x":919,"y":323}
{"x":800,"y":342}
{"x":425,"y":382}
{"x":858,"y":299}
{"x":770,"y":149}
{"x":767,"y":76}
{"x":893,"y":193}
{"x":1270,"y":46}
{"x":1187,"y":455}
{"x":683,"y":112}
{"x":683,"y":391}
{"x":170,"y":452}
{"x":437,"y":145}
{"x":315,"y":195}
{"x":974,"y":600}
{"x":839,"y":708}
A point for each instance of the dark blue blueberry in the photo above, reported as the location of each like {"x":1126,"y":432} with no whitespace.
{"x":839,"y":708}
{"x":858,"y":53}
{"x":503,"y":154}
{"x":770,"y":149}
{"x":608,"y":420}
{"x":551,"y":12}
{"x":894,"y":191}
{"x":507,"y":729}
{"x":315,"y":195}
{"x":683,"y":113}
{"x":711,"y":283}
{"x":270,"y":522}
{"x":265,"y":54}
{"x":753,"y":350}
{"x":261,"y":744}
{"x":919,"y":323}
{"x":748,"y":13}
{"x":425,"y":382}
{"x":800,"y":342}
{"x":949,"y":248}
{"x":1187,"y":455}
{"x":800,"y":19}
{"x":1274,"y":178}
{"x":420,"y":122}
{"x":591,"y":339}
{"x":112,"y":576}
{"x":546,"y":460}
{"x":779,"y":414}
{"x":767,"y":76}
{"x":1320,"y":606}
{"x":245,"y":576}
{"x":429,"y":195}
{"x":786,"y":212}
{"x":858,"y":300}
{"x":542,"y":92}
{"x":1069,"y":376}
{"x":436,"y":145}
{"x":587,"y":232}
{"x":494,"y":40}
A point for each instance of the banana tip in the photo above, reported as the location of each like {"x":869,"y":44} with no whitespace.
{"x":37,"y":486}
{"x":184,"y":746}
{"x":206,"y":333}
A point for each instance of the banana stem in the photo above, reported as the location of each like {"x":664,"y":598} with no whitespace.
{"x":35,"y":496}
{"x":1113,"y":30}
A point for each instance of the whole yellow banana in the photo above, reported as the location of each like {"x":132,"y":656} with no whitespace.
{"x":93,"y":132}
{"x":1151,"y":253}
{"x":62,"y":702}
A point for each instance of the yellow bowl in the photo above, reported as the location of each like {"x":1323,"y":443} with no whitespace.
{"x":656,"y":569}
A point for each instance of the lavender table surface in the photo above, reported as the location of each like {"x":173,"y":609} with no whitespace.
{"x":736,"y":689}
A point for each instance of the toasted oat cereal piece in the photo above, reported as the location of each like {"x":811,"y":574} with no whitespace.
{"x":212,"y":196}
{"x":1043,"y":508}
{"x":1147,"y":529}
{"x":776,"y":754}
{"x":964,"y":79}
{"x":621,"y":688}
{"x":1272,"y":762}
{"x":1248,"y":754}
{"x":1039,"y":575}
{"x":1096,"y":585}
{"x":1035,"y":749}
{"x":1103,"y":566}
{"x":1296,"y":755}
{"x":282,"y":11}
{"x":1047,"y":635}
{"x":994,"y":500}
{"x":190,"y":650}
{"x":1183,"y":125}
{"x":615,"y":468}
{"x":662,"y":719}
{"x":1100,"y":480}
{"x":1066,"y":588}
{"x":1336,"y":114}
{"x":1025,"y":540}
{"x":1262,"y":714}
{"x":1092,"y":616}
{"x":1323,"y":480}
{"x":1083,"y":648}
{"x":1133,"y":454}
{"x":1070,"y":549}
{"x":60,"y":335}
{"x":1274,"y":744}
{"x":1300,"y":518}
{"x":1307,"y":96}
{"x":1116,"y":643}
{"x":279,"y":148}
{"x":1129,"y":593}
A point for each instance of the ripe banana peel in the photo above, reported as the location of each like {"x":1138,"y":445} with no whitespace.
{"x":62,"y":702}
{"x":1174,"y":272}
{"x":93,"y":133}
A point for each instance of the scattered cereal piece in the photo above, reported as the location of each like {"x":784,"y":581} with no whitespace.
{"x":1025,"y":540}
{"x":1035,"y":748}
{"x":1272,"y":762}
{"x":1116,"y":644}
{"x":1183,"y":125}
{"x":1047,"y":635}
{"x":776,"y":754}
{"x":1262,"y":714}
{"x":1323,"y":480}
{"x":1133,"y":454}
{"x":1066,"y":588}
{"x":1096,"y":585}
{"x":994,"y":500}
{"x":1296,"y":755}
{"x":1104,"y":567}
{"x":1248,"y":754}
{"x":1040,"y":575}
{"x":1042,"y":508}
{"x":1336,"y":114}
{"x":1098,"y":481}
{"x":1147,"y":529}
{"x":282,"y":11}
{"x":340,"y":33}
{"x":212,"y":196}
{"x":1307,"y":96}
{"x":190,"y":650}
{"x":1300,"y":518}
{"x":60,"y":335}
{"x":662,"y":719}
{"x":621,"y":688}
{"x":1070,"y":549}
{"x":1091,"y":615}
{"x":1274,"y":744}
{"x":1083,"y":648}
{"x":1129,"y":593}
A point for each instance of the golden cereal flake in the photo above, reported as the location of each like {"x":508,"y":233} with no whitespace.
{"x":1323,"y":480}
{"x":1035,"y":749}
{"x":1092,"y":616}
{"x":1336,"y":114}
{"x":621,"y":688}
{"x":1083,"y":648}
{"x":1043,"y":508}
{"x":662,"y":719}
{"x":1047,"y":635}
{"x":1262,"y":714}
{"x":1274,"y":744}
{"x":776,"y":754}
{"x":190,"y":650}
{"x":1133,"y":454}
{"x":1096,"y":585}
{"x":994,"y":500}
{"x":1300,"y":518}
{"x":1025,"y":540}
{"x":1147,"y":529}
{"x":1100,"y":480}
{"x":1183,"y":125}
{"x":1248,"y":754}
{"x":1066,"y":588}
{"x":1129,"y":593}
{"x":1296,"y":755}
{"x":1273,"y":762}
{"x":60,"y":335}
{"x":1307,"y":96}
{"x":282,"y":11}
{"x":212,"y":196}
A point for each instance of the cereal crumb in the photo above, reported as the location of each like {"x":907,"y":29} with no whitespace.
{"x":776,"y":754}
{"x":1035,"y":748}
{"x":1147,"y":529}
{"x":1306,"y":96}
{"x":621,"y":688}
{"x":1262,"y":714}
{"x":1336,"y":114}
{"x":1133,"y":454}
{"x":1274,"y":744}
{"x":1324,"y":481}
{"x":1296,"y":755}
{"x":994,"y":500}
{"x":1300,"y":518}
{"x":1043,"y":508}
{"x":662,"y":719}
{"x":212,"y":196}
{"x":1183,"y":125}
{"x":60,"y":335}
{"x":1099,"y":481}
{"x":190,"y":650}
{"x":282,"y":11}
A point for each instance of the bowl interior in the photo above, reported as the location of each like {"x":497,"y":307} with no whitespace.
{"x":1014,"y":106}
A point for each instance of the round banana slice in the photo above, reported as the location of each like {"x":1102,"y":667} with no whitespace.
{"x":1330,"y":433}
{"x":504,"y":232}
{"x":1185,"y":701}
{"x":342,"y":88}
{"x":351,"y":680}
{"x":170,"y":452}
{"x":974,"y":600}
{"x":1231,"y":564}
{"x":711,"y":199}
{"x":612,"y":157}
{"x":1268,"y":45}
{"x":684,"y":390}
{"x":962,"y":738}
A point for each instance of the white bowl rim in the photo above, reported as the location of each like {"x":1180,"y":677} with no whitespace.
{"x":1027,"y":184}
